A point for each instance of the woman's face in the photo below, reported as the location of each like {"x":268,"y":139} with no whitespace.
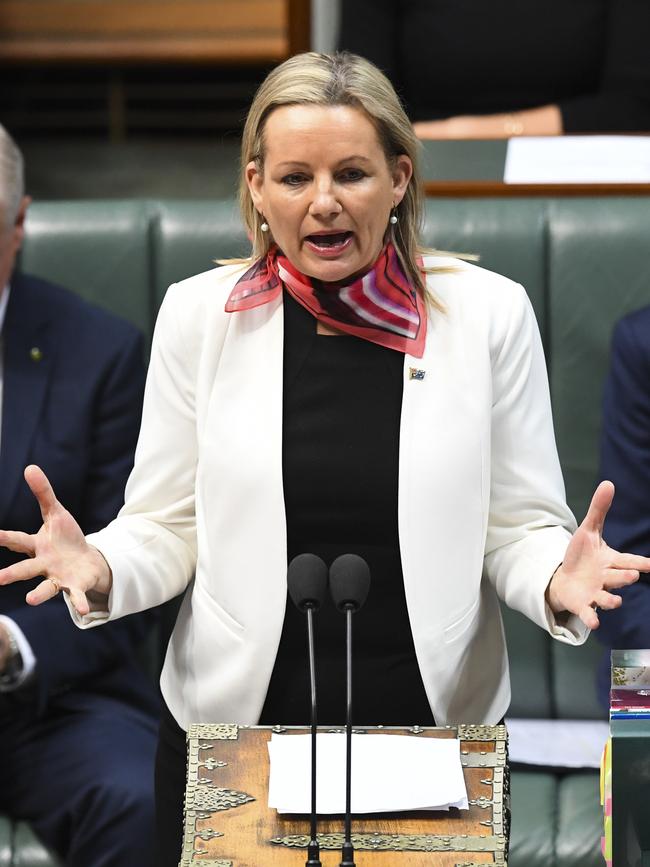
{"x":326,"y":189}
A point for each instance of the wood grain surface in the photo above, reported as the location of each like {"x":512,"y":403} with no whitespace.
{"x":119,"y":31}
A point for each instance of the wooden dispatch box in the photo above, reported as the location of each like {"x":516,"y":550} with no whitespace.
{"x":228,"y":822}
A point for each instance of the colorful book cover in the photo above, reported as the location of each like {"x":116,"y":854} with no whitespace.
{"x":630,"y":686}
{"x":630,"y":669}
{"x":606,"y":802}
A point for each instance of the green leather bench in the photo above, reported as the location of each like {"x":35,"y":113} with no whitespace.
{"x":584,"y":263}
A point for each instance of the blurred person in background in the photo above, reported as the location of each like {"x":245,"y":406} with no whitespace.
{"x":625,"y":459}
{"x":495,"y":70}
{"x":78,"y":717}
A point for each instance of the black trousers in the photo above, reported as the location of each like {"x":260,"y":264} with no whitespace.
{"x":171,"y":759}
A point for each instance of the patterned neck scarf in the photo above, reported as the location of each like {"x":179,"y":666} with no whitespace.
{"x":380,"y":306}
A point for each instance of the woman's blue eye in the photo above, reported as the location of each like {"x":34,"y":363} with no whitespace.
{"x":293,"y":180}
{"x":352,"y":175}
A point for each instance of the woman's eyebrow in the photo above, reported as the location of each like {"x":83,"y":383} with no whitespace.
{"x":302,"y":165}
{"x":293,"y":164}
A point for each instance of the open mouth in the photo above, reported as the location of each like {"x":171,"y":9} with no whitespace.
{"x":330,"y":241}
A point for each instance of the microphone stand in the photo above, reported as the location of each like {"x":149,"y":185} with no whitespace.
{"x":313,"y":848}
{"x":307,"y":583}
{"x":347,"y":850}
{"x":349,"y":584}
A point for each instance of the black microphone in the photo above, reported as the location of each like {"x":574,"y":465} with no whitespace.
{"x":307,"y":580}
{"x":349,"y":585}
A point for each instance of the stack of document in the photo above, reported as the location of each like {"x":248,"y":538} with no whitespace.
{"x":630,"y":693}
{"x":389,"y":773}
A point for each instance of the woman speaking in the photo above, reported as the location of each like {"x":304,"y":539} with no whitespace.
{"x":341,"y":391}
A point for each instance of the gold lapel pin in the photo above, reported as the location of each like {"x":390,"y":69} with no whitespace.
{"x":35,"y":353}
{"x":416,"y":373}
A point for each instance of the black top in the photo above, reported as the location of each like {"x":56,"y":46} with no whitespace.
{"x":450,"y":57}
{"x":341,"y":418}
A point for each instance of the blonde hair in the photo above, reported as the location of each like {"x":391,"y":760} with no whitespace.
{"x":332,"y":80}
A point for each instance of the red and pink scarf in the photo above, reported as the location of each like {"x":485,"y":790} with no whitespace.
{"x":380,"y":306}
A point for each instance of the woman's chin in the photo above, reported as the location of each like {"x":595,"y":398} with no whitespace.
{"x":332,"y":270}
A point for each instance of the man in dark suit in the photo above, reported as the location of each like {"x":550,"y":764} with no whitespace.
{"x":78,"y":717}
{"x":625,"y":459}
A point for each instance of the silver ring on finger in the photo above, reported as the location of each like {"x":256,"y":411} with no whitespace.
{"x":56,"y":585}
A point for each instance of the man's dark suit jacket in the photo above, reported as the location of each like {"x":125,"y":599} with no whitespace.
{"x":72,"y":397}
{"x":625,"y":459}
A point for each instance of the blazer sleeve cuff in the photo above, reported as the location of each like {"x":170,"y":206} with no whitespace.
{"x":569,"y":629}
{"x":98,"y":617}
{"x":94,"y":618}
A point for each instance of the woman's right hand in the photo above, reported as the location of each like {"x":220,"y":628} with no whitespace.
{"x":59,"y":552}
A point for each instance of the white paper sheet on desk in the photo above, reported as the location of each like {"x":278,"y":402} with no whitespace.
{"x":582,"y":159}
{"x":389,"y":773}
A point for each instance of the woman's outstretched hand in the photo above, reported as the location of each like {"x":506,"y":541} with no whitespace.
{"x":59,"y":552}
{"x":591,"y":568}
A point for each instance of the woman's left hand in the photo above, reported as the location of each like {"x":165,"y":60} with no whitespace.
{"x":590,"y":569}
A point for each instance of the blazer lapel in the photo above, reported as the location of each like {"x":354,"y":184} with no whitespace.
{"x":27,"y":365}
{"x":443,"y":474}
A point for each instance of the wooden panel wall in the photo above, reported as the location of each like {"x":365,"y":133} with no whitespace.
{"x":133,"y":31}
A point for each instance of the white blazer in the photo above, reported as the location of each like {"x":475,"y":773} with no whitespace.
{"x":481,"y":497}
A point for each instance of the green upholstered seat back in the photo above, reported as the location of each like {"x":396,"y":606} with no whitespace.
{"x":189,"y":236}
{"x":100,"y":249}
{"x":598,"y":270}
{"x":508,"y":236}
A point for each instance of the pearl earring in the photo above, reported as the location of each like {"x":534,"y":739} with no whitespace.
{"x":264,"y":226}
{"x":393,"y":217}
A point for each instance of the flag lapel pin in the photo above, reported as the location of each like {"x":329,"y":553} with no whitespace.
{"x":416,"y":373}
